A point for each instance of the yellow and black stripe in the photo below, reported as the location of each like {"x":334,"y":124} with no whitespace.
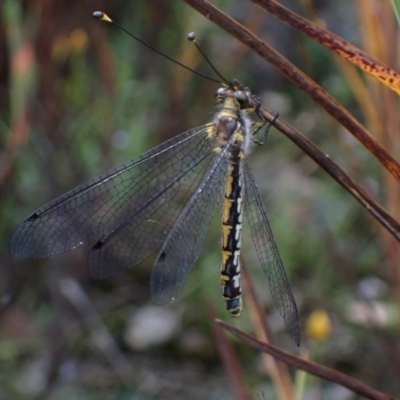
{"x":231,"y":239}
{"x":230,"y":129}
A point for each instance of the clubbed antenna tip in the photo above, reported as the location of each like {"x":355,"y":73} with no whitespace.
{"x":101,"y":16}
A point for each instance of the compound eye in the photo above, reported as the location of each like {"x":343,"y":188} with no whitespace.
{"x":240,"y":96}
{"x":220,"y":92}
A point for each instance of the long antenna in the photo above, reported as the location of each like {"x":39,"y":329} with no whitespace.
{"x":104,"y":17}
{"x":192,"y":38}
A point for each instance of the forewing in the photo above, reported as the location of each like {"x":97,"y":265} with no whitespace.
{"x":186,"y":239}
{"x":268,"y":254}
{"x":144,"y":231}
{"x":92,"y":210}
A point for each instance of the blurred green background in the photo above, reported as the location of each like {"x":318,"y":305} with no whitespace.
{"x":78,"y":97}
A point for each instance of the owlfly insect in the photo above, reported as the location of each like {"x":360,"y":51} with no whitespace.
{"x":163,"y":201}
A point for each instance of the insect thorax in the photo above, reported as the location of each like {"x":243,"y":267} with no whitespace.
{"x":230,"y":125}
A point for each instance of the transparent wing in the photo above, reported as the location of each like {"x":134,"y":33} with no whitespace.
{"x":144,"y":231}
{"x":185,"y":241}
{"x":94,"y":209}
{"x":268,"y":254}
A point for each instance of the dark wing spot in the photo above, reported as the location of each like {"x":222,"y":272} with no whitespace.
{"x":32,"y":217}
{"x":162,"y":256}
{"x":98,"y":245}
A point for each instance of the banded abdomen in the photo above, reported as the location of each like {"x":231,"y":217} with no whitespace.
{"x":231,"y":238}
